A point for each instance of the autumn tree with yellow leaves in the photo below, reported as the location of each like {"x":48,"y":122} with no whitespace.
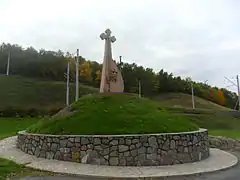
{"x":98,"y":75}
{"x":221,"y":97}
{"x":86,"y":71}
{"x":217,"y":96}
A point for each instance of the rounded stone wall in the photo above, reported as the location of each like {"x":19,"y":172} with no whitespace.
{"x":119,"y":150}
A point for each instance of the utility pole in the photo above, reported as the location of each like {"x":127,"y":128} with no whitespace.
{"x":139,"y":89}
{"x":235,"y":107}
{"x":193,"y":102}
{"x":238,"y":93}
{"x":8,"y":64}
{"x":67,"y":92}
{"x":77,"y":76}
{"x":120,"y":62}
{"x":238,"y":88}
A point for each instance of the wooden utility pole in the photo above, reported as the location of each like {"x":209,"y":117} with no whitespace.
{"x":67,"y":91}
{"x":139,"y":89}
{"x":8,"y":64}
{"x":238,"y":93}
{"x":238,"y":89}
{"x":77,"y":76}
{"x":193,"y":101}
{"x":120,"y":63}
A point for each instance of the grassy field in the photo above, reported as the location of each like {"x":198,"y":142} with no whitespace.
{"x":18,"y":91}
{"x":204,"y":115}
{"x":9,"y":169}
{"x":218,"y":125}
{"x":9,"y":127}
{"x":180,"y":100}
{"x":235,"y":133}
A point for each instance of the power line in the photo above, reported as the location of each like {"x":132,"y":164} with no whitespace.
{"x":238,"y":89}
{"x":234,"y":84}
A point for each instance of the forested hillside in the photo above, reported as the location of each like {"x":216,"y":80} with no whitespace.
{"x":50,"y":65}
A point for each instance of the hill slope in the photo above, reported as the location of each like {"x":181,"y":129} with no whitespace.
{"x":16,"y":91}
{"x":185,"y":101}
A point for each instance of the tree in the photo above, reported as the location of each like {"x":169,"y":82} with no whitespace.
{"x":52,"y":65}
{"x":86,"y":71}
{"x":221,"y":99}
{"x":214,"y":95}
{"x":98,"y":75}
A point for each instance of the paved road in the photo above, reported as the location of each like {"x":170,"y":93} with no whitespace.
{"x":230,"y":174}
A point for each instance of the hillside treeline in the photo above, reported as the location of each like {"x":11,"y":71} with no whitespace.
{"x":51,"y":65}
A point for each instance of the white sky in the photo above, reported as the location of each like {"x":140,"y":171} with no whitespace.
{"x":196,"y":38}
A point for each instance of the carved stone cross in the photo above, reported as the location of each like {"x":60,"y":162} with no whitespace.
{"x":107,"y":36}
{"x":111,"y":79}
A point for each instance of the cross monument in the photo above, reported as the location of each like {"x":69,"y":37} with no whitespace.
{"x":111,"y":79}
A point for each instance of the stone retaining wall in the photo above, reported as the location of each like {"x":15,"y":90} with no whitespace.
{"x":224,"y":143}
{"x":119,"y":150}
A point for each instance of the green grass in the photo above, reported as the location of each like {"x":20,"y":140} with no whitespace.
{"x":10,"y":126}
{"x":217,"y":124}
{"x":227,"y":133}
{"x":17,"y":91}
{"x":115,"y":114}
{"x":211,"y":121}
{"x":180,"y":100}
{"x":123,"y":115}
{"x":9,"y":168}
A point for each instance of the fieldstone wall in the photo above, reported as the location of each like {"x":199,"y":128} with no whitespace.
{"x":224,"y":143}
{"x":119,"y":150}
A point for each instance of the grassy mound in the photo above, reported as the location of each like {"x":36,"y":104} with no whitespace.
{"x":114,"y":114}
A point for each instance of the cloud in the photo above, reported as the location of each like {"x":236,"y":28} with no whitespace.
{"x":197,"y":38}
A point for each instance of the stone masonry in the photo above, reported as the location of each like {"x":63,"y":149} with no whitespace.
{"x":224,"y":143}
{"x":119,"y":150}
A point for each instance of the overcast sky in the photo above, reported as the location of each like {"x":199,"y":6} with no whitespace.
{"x":199,"y":39}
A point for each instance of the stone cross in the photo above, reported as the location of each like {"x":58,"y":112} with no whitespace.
{"x":111,"y":80}
{"x":107,"y":36}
